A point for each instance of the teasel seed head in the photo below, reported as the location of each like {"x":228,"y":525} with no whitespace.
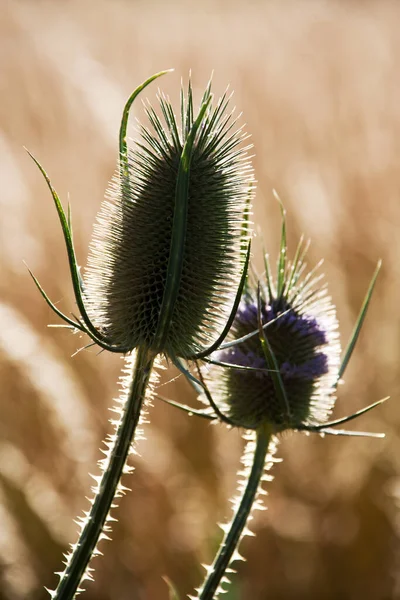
{"x":169,"y":245}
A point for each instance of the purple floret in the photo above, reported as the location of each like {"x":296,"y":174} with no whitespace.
{"x":300,"y":334}
{"x":308,"y":371}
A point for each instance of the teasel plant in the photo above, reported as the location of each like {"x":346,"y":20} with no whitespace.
{"x":278,"y":371}
{"x":166,"y":270}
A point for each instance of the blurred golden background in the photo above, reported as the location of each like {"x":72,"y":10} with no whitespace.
{"x":318,"y":84}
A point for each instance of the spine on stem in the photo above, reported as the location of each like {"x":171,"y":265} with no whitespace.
{"x":94,"y":525}
{"x":261,"y":449}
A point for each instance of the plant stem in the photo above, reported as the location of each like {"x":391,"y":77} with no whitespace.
{"x":93,"y":525}
{"x":232,"y":537}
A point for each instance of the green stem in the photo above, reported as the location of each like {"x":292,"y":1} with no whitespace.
{"x":96,"y":519}
{"x":234,"y":534}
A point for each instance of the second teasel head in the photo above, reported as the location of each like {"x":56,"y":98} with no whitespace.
{"x":289,"y":376}
{"x":281,"y":366}
{"x":171,"y":238}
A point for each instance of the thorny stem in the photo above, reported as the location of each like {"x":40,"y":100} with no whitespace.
{"x":102,"y":503}
{"x":232,"y":537}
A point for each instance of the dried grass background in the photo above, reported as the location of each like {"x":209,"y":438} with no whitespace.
{"x":318,"y":84}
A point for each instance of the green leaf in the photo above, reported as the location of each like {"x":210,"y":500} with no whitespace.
{"x":248,"y":336}
{"x":295,"y":266}
{"x":282,"y":251}
{"x":362,"y":411}
{"x":74,"y":270}
{"x":226,"y":365}
{"x":271,"y":359}
{"x":214,"y":406}
{"x":359,"y":324}
{"x":188,"y":409}
{"x":71,"y":322}
{"x":123,"y":147}
{"x":215,"y":346}
{"x":268,"y":276}
{"x":201,"y":387}
{"x":346,"y":432}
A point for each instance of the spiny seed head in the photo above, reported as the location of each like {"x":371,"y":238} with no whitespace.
{"x":294,"y":364}
{"x":133,"y":263}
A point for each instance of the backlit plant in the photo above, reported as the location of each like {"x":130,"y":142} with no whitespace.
{"x":167,"y":276}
